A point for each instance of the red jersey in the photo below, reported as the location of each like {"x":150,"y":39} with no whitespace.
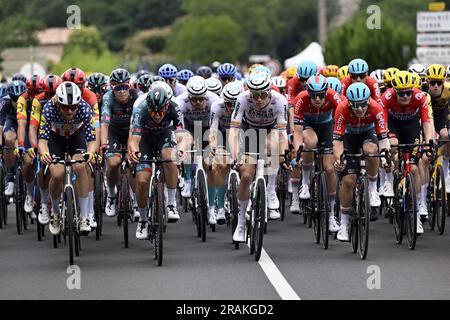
{"x":91,"y":99}
{"x":375,"y":92}
{"x":304,"y":110}
{"x":293,"y":88}
{"x":345,"y":121}
{"x":418,"y":105}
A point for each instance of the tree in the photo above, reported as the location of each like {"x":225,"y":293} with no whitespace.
{"x":88,"y":38}
{"x":17,"y":31}
{"x":206,"y":39}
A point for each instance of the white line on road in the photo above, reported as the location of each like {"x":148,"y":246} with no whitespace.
{"x":275,"y":277}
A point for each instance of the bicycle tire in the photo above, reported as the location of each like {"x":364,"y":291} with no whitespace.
{"x":282,"y":191}
{"x":234,"y":207}
{"x":398,"y":217}
{"x":364,"y":218}
{"x":202,"y":204}
{"x":3,"y":205}
{"x":440,"y":204}
{"x":159,"y":223}
{"x":126,"y":209}
{"x":55,"y":242}
{"x":19,"y":203}
{"x":431,"y":192}
{"x":36,"y":207}
{"x":315,"y":208}
{"x":260,"y":213}
{"x":324,"y":210}
{"x":98,"y":195}
{"x":69,"y":207}
{"x":411,"y":212}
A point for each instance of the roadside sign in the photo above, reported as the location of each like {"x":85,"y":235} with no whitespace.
{"x":439,"y":55}
{"x":433,"y":39}
{"x":433,"y":21}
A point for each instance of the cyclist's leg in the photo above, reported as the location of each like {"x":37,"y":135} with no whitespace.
{"x":112,"y":172}
{"x":310,"y":140}
{"x":189,"y":141}
{"x":143,"y":176}
{"x":10,"y":138}
{"x":276,"y":145}
{"x":370,"y":146}
{"x":29,"y":175}
{"x":325,"y":139}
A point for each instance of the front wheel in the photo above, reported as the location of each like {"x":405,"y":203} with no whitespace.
{"x":259,"y":216}
{"x":69,"y":224}
{"x":324,"y":206}
{"x":233,"y":206}
{"x":398,"y":216}
{"x":363,"y":217}
{"x":440,"y":203}
{"x":20,"y":212}
{"x":410,"y":212}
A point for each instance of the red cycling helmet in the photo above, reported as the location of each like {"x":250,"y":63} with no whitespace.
{"x":74,"y":75}
{"x":50,"y":83}
{"x":34,"y":84}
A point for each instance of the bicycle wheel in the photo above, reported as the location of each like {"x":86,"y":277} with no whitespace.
{"x":259,"y":221}
{"x":233,"y":206}
{"x":431,"y":196}
{"x":410,"y":211}
{"x":398,"y":217}
{"x":202,"y":204}
{"x":69,"y":207}
{"x":282,"y":191}
{"x":324,"y":209}
{"x":440,"y":203}
{"x":36,"y":207}
{"x":363,"y":217}
{"x":159,"y":223}
{"x":98,"y":196}
{"x":315,"y":208}
{"x":18,"y":191}
{"x":126,"y":207}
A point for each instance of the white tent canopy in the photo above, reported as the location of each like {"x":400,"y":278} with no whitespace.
{"x":312,"y":52}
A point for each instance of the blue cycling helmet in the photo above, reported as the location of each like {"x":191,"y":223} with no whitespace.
{"x":184,"y":75}
{"x":317,"y":83}
{"x":334,"y":84}
{"x":226,"y":70}
{"x":306,"y":69}
{"x":16,"y":89}
{"x":358,"y":66}
{"x":3,"y":89}
{"x":238,"y":76}
{"x":358,"y":92}
{"x":168,"y":71}
{"x":263,"y":69}
{"x":204,"y":71}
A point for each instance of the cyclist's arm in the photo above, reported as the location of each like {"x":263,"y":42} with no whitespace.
{"x":133,"y":143}
{"x":1,"y":134}
{"x":34,"y":122}
{"x":43,"y":146}
{"x":235,"y":125}
{"x":21,"y":129}
{"x":105,"y":120}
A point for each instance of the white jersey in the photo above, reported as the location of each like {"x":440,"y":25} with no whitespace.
{"x":220,"y":117}
{"x":179,"y":89}
{"x":191,"y":114}
{"x":273,"y":114}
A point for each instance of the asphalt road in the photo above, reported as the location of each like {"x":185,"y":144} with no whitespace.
{"x":215,"y":270}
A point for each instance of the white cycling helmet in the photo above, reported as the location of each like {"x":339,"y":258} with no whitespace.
{"x":418,"y":68}
{"x":231,"y":91}
{"x":214,"y":85}
{"x":279,"y":82}
{"x":377,"y":75}
{"x":448,"y":71}
{"x":165,"y":86}
{"x":196,"y":86}
{"x":259,"y":81}
{"x":68,"y":93}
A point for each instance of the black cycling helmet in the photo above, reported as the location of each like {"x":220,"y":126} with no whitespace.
{"x":120,"y":76}
{"x":144,"y":82}
{"x":157,"y":78}
{"x":142,"y":72}
{"x":157,"y":99}
{"x":19,"y":77}
{"x":97,"y":82}
{"x":204,"y":71}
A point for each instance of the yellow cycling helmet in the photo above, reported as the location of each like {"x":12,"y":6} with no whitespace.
{"x":331,"y":71}
{"x":436,"y":72}
{"x":389,"y":74}
{"x":417,"y":81}
{"x":290,"y":73}
{"x":402,"y":80}
{"x":342,"y":72}
{"x":253,"y":66}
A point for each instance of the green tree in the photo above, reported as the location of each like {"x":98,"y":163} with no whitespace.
{"x":88,"y":38}
{"x":206,"y":39}
{"x":18,"y":31}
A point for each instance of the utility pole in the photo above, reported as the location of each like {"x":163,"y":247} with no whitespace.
{"x":322,"y":21}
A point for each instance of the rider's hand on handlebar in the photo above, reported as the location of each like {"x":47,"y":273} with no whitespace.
{"x":46,"y":158}
{"x":32,"y":153}
{"x":339,"y":165}
{"x":135,"y":156}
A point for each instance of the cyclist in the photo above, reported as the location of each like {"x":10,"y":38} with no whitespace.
{"x":169,"y":73}
{"x":19,"y":77}
{"x":49,"y":84}
{"x":359,"y":124}
{"x":406,"y":107}
{"x":184,"y":75}
{"x":378,"y":76}
{"x":8,"y":122}
{"x":330,"y":71}
{"x":116,"y":117}
{"x":334,"y":84}
{"x":280,"y":83}
{"x":388,"y":75}
{"x":263,"y":110}
{"x":144,"y":82}
{"x":154,"y":121}
{"x":97,"y":83}
{"x":313,"y":109}
{"x":221,"y":111}
{"x":3,"y":90}
{"x":342,"y":72}
{"x":214,"y":85}
{"x":422,"y":72}
{"x":298,"y":83}
{"x":67,"y":121}
{"x":227,"y":73}
{"x":195,"y":106}
{"x":204,"y":71}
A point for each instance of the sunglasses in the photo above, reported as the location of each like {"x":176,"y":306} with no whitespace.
{"x":171,"y":80}
{"x":67,"y":107}
{"x":157,"y":114}
{"x":359,"y":105}
{"x":97,"y":90}
{"x":404,"y":93}
{"x":259,"y":95}
{"x":435,"y":82}
{"x":303,"y":79}
{"x":314,"y":95}
{"x":121,"y":87}
{"x":197,"y":99}
{"x":357,"y":76}
{"x":227,"y":78}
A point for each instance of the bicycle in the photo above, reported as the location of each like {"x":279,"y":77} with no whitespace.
{"x":156,"y":215}
{"x":99,"y":194}
{"x":70,"y":220}
{"x":19,"y":194}
{"x":359,"y":221}
{"x":283,"y":178}
{"x":436,"y":191}
{"x":231,"y":203}
{"x":405,"y":207}
{"x":40,"y":229}
{"x":317,"y":207}
{"x":3,"y":198}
